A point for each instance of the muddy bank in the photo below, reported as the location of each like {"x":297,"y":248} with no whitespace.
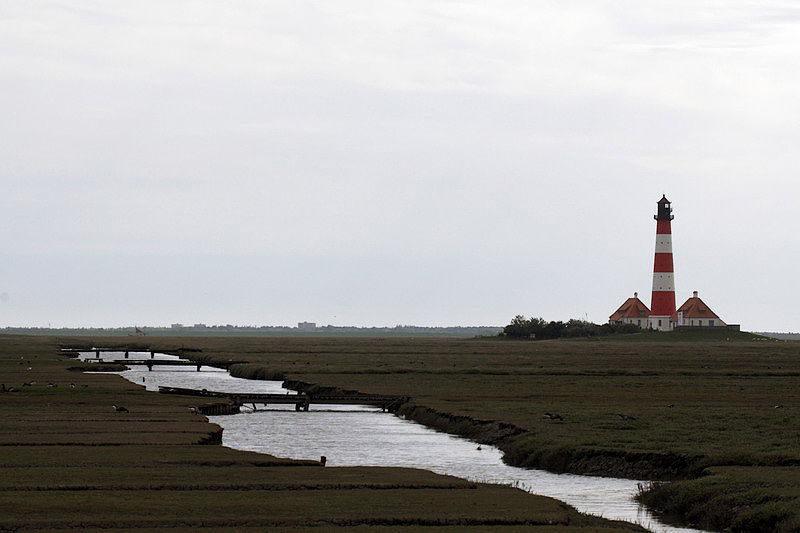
{"x":244,"y":370}
{"x":520,"y":449}
{"x":737,"y":499}
{"x":214,"y":437}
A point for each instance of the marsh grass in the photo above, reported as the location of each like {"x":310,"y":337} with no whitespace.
{"x":692,"y":402}
{"x":69,"y":461}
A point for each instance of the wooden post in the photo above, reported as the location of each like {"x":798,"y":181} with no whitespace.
{"x":152,"y":355}
{"x":126,"y":355}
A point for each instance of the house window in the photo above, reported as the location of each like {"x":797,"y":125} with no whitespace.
{"x":700,"y":322}
{"x":638,"y":322}
{"x":659,"y":323}
{"x":710,"y":322}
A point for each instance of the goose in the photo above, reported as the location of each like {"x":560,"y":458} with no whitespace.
{"x":120,"y":409}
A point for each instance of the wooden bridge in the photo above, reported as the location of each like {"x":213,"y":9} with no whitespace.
{"x":301,"y":401}
{"x":99,"y":351}
{"x":149,"y":363}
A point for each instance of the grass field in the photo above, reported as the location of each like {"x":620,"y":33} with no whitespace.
{"x":71,"y":462}
{"x":672,"y":407}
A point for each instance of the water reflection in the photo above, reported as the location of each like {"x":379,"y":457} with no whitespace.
{"x":364,"y":436}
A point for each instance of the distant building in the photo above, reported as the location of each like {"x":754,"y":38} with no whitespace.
{"x":306,"y":325}
{"x":695,"y":312}
{"x":176,"y":326}
{"x":633,"y":311}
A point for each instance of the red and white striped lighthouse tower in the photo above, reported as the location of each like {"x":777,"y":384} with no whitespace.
{"x":662,"y":304}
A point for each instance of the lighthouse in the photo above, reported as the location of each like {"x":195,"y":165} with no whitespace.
{"x":662,"y":314}
{"x":662,"y":303}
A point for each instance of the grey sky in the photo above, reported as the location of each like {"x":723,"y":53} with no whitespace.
{"x":376,"y":163}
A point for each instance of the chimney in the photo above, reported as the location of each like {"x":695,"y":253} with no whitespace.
{"x":694,"y":294}
{"x":635,"y":294}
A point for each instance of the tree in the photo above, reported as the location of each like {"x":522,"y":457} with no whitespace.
{"x":537,"y":328}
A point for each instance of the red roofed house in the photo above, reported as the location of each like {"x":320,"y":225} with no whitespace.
{"x":695,"y":312}
{"x":633,"y":311}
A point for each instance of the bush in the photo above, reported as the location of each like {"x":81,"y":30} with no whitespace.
{"x":538,"y":328}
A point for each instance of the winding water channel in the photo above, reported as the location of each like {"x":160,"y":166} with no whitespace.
{"x":364,"y":436}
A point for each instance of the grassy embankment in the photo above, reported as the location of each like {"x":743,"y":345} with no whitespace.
{"x":69,"y":461}
{"x":698,"y":407}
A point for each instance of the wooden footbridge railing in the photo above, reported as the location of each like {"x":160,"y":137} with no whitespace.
{"x":301,"y":401}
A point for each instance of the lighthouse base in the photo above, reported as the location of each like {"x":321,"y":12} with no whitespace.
{"x":660,"y":323}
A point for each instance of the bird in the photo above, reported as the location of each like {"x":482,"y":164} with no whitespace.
{"x":780,"y":406}
{"x":120,"y":409}
{"x":553,"y":416}
{"x":72,"y":385}
{"x":28,"y":383}
{"x":671,"y":405}
{"x":626,"y":417}
{"x":478,"y":448}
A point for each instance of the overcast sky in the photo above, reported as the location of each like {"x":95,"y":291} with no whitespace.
{"x":395,"y":162}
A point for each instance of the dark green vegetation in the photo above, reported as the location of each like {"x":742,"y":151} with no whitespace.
{"x":539,"y":328}
{"x":651,"y":405}
{"x":70,"y":461}
{"x":739,"y":498}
